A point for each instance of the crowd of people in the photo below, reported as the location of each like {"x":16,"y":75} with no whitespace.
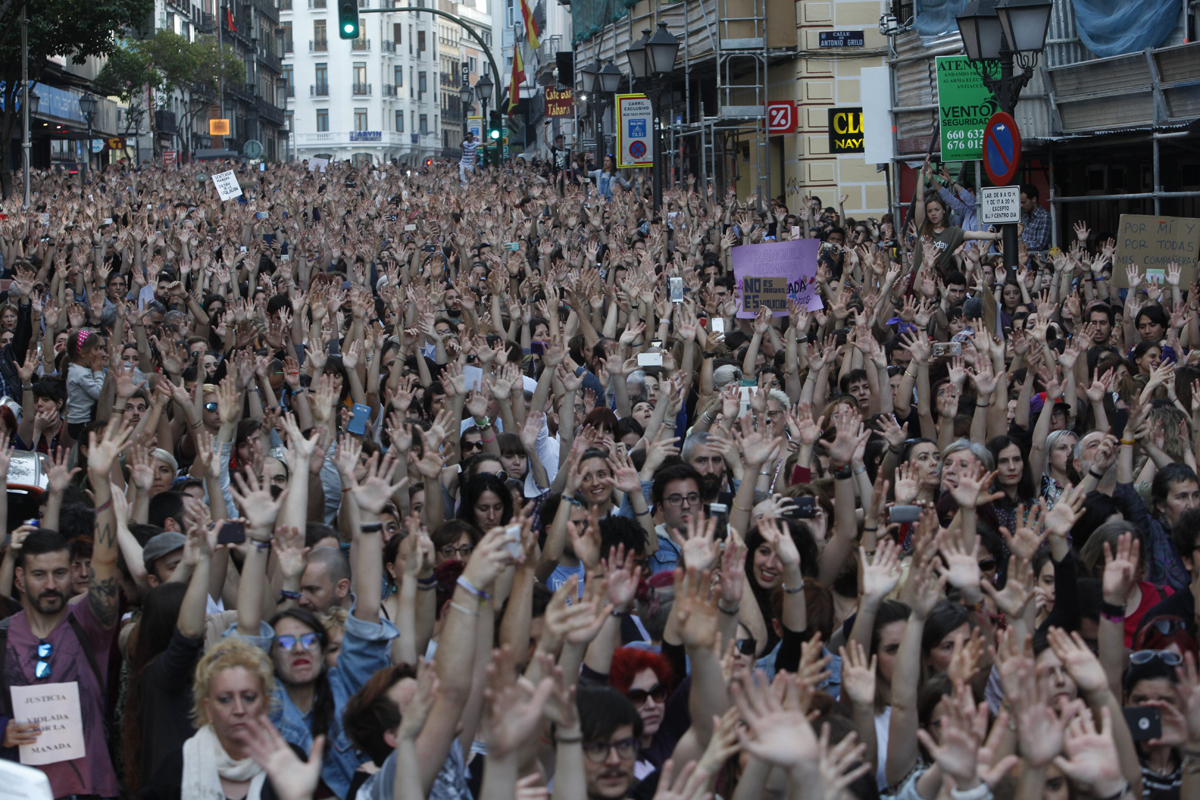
{"x":385,"y":484}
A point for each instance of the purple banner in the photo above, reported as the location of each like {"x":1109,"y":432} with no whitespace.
{"x":771,"y":273}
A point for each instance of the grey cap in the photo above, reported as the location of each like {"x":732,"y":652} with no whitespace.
{"x":160,"y":545}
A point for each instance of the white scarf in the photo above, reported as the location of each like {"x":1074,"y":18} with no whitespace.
{"x":205,"y":762}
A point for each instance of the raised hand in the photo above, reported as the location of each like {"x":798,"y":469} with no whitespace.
{"x":881,"y":572}
{"x":777,"y":733}
{"x":1092,"y":760}
{"x":858,"y":674}
{"x":254,"y":500}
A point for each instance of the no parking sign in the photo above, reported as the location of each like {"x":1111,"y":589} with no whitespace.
{"x":1001,"y":148}
{"x":635,"y":131}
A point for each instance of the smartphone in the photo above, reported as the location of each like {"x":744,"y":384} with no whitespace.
{"x":1145,"y":722}
{"x":262,"y":167}
{"x":232,"y":532}
{"x":676,"y":285}
{"x":537,"y":348}
{"x":720,"y":512}
{"x":285,"y":257}
{"x":269,"y":238}
{"x":1119,"y":420}
{"x":656,"y":343}
{"x":795,"y":231}
{"x":943,"y":349}
{"x":260,"y":214}
{"x":718,"y":324}
{"x":512,"y":540}
{"x":107,"y":221}
{"x":410,"y":227}
{"x":242,"y":248}
{"x":904,"y":513}
{"x":805,"y":507}
{"x":358,"y":422}
{"x":650,"y":359}
{"x":513,"y":246}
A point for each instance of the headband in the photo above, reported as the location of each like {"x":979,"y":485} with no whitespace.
{"x":81,"y":338}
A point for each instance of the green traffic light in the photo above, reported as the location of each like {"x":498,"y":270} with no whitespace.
{"x":494,"y":134}
{"x":349,"y":27}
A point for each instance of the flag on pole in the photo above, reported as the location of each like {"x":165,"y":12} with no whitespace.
{"x":518,"y":77}
{"x":229,"y":19}
{"x":531,"y":26}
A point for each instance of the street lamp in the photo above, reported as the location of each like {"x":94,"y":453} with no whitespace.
{"x":652,"y":61}
{"x":601,"y":83}
{"x":87,"y":107}
{"x":1005,"y":31}
{"x":28,"y":112}
{"x":483,"y":90}
{"x":465,"y":95}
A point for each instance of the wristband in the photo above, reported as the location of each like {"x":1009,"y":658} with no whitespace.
{"x":793,"y":590}
{"x":642,"y":513}
{"x":105,"y":506}
{"x":843,"y":474}
{"x":577,"y":739}
{"x":872,"y":529}
{"x":28,"y":388}
{"x":860,"y":470}
{"x":463,"y":609}
{"x":284,"y":594}
{"x":1097,"y":475}
{"x":470,"y":587}
{"x":1112,"y":611}
{"x":732,"y":612}
{"x":1129,"y":442}
{"x":430,"y":581}
{"x":980,"y":792}
{"x":371,"y":527}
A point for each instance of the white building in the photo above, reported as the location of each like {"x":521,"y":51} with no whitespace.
{"x":371,"y":100}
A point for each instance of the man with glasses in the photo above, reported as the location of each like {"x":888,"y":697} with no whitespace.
{"x":612,"y":729}
{"x":676,"y":496}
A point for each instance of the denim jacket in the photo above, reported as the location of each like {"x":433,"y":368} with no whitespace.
{"x":365,"y":650}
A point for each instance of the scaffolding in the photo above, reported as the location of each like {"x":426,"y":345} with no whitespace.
{"x":715,"y":124}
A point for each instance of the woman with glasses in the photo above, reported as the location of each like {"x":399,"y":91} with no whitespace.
{"x":454,"y":540}
{"x":1151,"y":686}
{"x":645,"y":678}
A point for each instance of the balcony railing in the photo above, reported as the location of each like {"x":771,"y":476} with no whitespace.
{"x":451,"y":115}
{"x":389,"y":90}
{"x":318,"y":90}
{"x":360,"y":44}
{"x":449,"y":80}
{"x":268,"y":111}
{"x":318,"y":45}
{"x":207,"y":23}
{"x":268,"y":8}
{"x":285,"y":5}
{"x":387,"y":47}
{"x":270,"y":60}
{"x":243,"y":91}
{"x":361,"y":88}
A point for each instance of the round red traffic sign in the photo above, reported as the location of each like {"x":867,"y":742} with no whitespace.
{"x":1001,"y":149}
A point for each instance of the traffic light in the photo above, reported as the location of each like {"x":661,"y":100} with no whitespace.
{"x":493,"y":139}
{"x":347,"y":19}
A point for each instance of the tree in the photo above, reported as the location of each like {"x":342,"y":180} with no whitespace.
{"x":74,"y":29}
{"x":128,"y":75}
{"x":195,"y":70}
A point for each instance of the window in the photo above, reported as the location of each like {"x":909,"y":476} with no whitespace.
{"x":287,"y":81}
{"x":420,"y":41}
{"x":360,"y":119}
{"x":422,"y":84}
{"x":424,"y":124}
{"x":472,"y":64}
{"x":316,"y":4}
{"x":398,"y":33}
{"x":285,"y":5}
{"x":322,"y":73}
{"x":399,"y":122}
{"x":410,"y":37}
{"x":322,"y":119}
{"x":360,"y":72}
{"x":289,"y":121}
{"x":399,"y":73}
{"x":320,"y":40}
{"x":287,"y":37}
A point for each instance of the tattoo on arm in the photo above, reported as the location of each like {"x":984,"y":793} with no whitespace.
{"x":103,"y":598}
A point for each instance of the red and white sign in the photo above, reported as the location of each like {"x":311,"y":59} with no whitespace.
{"x":170,"y":156}
{"x":781,"y":116}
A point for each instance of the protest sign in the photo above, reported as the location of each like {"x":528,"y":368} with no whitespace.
{"x":1152,"y":243}
{"x":771,"y":273}
{"x":317,"y":164}
{"x":227,"y":185}
{"x":55,"y":707}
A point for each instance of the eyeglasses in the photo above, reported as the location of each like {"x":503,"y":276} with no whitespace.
{"x":41,"y":669}
{"x":597,"y":752}
{"x":657,"y":693}
{"x":210,"y":406}
{"x":747,"y":646}
{"x":1168,"y":657}
{"x":308,"y":641}
{"x":680,"y":500}
{"x":450,"y":551}
{"x":987,"y":564}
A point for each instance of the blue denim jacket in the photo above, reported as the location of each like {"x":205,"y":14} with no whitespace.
{"x":365,"y":650}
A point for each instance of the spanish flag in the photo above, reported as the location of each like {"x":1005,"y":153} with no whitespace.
{"x":531,"y":26}
{"x":229,"y":20}
{"x":518,"y":77}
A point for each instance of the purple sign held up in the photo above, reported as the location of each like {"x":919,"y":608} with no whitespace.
{"x":771,"y":273}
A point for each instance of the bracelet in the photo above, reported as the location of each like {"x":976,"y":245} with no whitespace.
{"x":469,"y":612}
{"x":742,"y":508}
{"x":569,"y":739}
{"x":1097,"y":475}
{"x":980,"y":792}
{"x":470,"y":587}
{"x":371,"y":527}
{"x":430,"y":581}
{"x":982,"y":405}
{"x":1116,"y":796}
{"x":896,"y":450}
{"x":645,"y":513}
{"x":421,"y":587}
{"x":262,"y":546}
{"x":1129,"y":442}
{"x":488,"y":441}
{"x":872,"y":529}
{"x":284,"y":594}
{"x":860,"y":470}
{"x":120,"y":410}
{"x":253,"y":389}
{"x":104,"y":506}
{"x":28,"y":388}
{"x":795,"y":590}
{"x":729,"y":611}
{"x":843,"y":474}
{"x":1112,"y":611}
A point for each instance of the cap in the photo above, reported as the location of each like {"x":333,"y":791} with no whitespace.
{"x":161,"y":545}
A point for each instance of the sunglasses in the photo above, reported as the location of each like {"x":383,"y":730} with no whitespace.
{"x":1168,"y":657}
{"x":41,"y":668}
{"x":466,"y":446}
{"x":987,"y":564}
{"x":657,"y":693}
{"x":210,"y":406}
{"x":747,"y":646}
{"x":308,"y":641}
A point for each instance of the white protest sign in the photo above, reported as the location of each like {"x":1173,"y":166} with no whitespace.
{"x":1000,"y":205}
{"x":55,"y":707}
{"x":227,"y":185}
{"x":23,"y":783}
{"x":315,"y":164}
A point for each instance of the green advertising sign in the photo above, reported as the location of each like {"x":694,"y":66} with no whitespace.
{"x":964,"y":107}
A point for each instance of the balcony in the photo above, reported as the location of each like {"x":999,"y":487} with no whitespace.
{"x":323,"y":140}
{"x":164,"y":122}
{"x":360,"y":44}
{"x":206,"y":23}
{"x":389,"y":90}
{"x":318,"y":45}
{"x":449,"y":80}
{"x":269,"y":9}
{"x":242,"y":91}
{"x":285,"y":5}
{"x":316,"y":3}
{"x":388,"y":47}
{"x":451,"y":115}
{"x":268,"y":111}
{"x":361,"y":89}
{"x":269,"y":60}
{"x":318,"y":90}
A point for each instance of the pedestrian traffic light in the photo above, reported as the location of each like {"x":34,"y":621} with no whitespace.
{"x":347,"y":19}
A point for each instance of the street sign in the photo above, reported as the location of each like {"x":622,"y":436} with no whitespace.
{"x":841,"y":39}
{"x":170,"y":156}
{"x":845,"y":130}
{"x":964,"y":107}
{"x":1001,"y":148}
{"x":97,"y":145}
{"x":781,"y":116}
{"x":1000,"y":205}
{"x":635,"y":131}
{"x":252,"y":149}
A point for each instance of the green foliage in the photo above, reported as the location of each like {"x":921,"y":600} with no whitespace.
{"x":127,"y":72}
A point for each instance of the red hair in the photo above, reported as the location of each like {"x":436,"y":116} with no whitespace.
{"x":627,"y":662}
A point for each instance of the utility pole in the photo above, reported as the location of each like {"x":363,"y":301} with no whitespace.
{"x":25,"y":143}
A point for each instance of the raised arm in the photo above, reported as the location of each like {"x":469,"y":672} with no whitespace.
{"x":103,"y":595}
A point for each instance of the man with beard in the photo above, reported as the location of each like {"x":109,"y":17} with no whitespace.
{"x":699,"y":451}
{"x":611,"y":729}
{"x":51,"y":642}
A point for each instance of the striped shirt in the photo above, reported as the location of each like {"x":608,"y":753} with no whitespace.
{"x":468,"y":154}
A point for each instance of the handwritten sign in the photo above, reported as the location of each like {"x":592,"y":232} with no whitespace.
{"x":771,"y":273}
{"x":1154,"y":242}
{"x":315,"y":164}
{"x":227,"y":185}
{"x":55,"y":707}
